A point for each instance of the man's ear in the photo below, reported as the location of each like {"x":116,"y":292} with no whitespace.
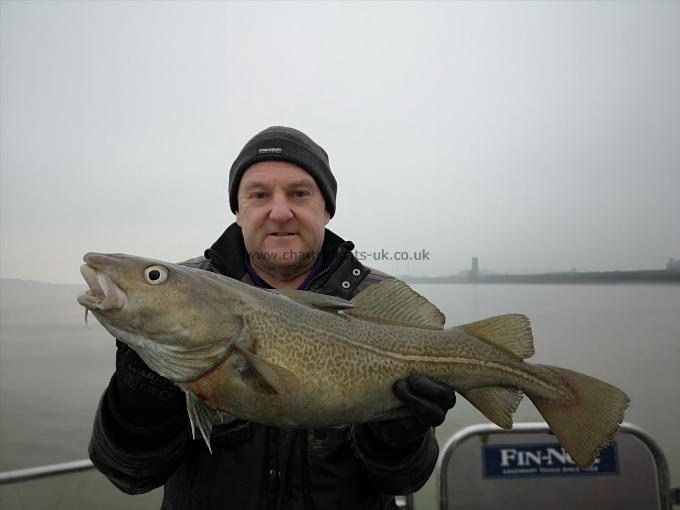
{"x":327,"y":216}
{"x":237,"y":218}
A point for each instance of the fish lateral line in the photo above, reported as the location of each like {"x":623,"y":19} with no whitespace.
{"x":523,"y":374}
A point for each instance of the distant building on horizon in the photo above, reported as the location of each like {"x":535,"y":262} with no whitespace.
{"x":673,"y":264}
{"x":474,"y":272}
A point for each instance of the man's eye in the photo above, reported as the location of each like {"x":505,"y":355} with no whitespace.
{"x":300,"y":193}
{"x":259,"y":195}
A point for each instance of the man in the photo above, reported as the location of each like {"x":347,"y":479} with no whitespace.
{"x":283,"y":194}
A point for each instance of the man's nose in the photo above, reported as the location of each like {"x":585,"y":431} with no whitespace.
{"x":280,"y":211}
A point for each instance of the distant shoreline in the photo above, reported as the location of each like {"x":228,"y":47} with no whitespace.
{"x":572,"y":277}
{"x":662,"y":276}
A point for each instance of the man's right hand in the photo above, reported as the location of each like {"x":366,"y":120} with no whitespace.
{"x":141,"y":397}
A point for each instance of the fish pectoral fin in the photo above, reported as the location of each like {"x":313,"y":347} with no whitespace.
{"x":317,"y":301}
{"x":266,"y":377}
{"x":201,"y":415}
{"x":512,"y":332}
{"x":394,"y":302}
{"x":497,"y":403}
{"x":177,"y":363}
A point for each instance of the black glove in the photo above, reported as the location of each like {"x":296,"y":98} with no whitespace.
{"x":427,"y":400}
{"x":139,"y":397}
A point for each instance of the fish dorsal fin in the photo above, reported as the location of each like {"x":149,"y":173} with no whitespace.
{"x":511,"y":332}
{"x":266,"y":377}
{"x":314,"y":300}
{"x":393,"y":302}
{"x":497,"y":403}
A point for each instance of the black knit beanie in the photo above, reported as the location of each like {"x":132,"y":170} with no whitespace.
{"x":278,"y":143}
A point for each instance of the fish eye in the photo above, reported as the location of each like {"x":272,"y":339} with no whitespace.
{"x":155,"y":274}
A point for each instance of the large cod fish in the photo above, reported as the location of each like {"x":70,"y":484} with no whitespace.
{"x":297,"y":359}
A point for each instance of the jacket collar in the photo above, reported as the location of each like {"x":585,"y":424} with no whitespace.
{"x":228,"y":253}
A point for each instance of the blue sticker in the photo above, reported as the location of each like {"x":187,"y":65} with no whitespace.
{"x":542,"y":459}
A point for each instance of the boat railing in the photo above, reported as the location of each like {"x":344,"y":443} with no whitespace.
{"x":477,"y":462}
{"x":474,"y":438}
{"x":65,"y":468}
{"x":34,"y":473}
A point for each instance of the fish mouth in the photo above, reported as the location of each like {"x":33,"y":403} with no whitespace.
{"x":103,"y":295}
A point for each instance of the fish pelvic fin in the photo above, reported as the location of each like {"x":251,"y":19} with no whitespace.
{"x":585,"y":424}
{"x":511,"y":332}
{"x":201,"y":415}
{"x":497,"y":403}
{"x":393,"y":302}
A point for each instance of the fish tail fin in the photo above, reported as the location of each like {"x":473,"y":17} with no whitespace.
{"x":585,"y":424}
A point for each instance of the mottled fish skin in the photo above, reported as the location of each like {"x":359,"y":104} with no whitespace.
{"x":302,"y":360}
{"x":347,"y":366}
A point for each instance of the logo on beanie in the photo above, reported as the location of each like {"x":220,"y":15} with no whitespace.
{"x":270,"y":150}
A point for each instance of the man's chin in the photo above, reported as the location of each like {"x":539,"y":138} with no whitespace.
{"x":285,"y":269}
{"x":284,"y":254}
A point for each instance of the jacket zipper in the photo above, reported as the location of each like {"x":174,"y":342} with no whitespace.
{"x":341,"y":251}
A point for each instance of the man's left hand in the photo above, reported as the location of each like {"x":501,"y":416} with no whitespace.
{"x":426,"y":399}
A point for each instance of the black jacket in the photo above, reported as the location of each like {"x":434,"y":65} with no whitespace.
{"x":254,"y":467}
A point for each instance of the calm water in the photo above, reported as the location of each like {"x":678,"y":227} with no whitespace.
{"x":53,"y":369}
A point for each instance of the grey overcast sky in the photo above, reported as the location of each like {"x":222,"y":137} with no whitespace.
{"x":537,"y":136}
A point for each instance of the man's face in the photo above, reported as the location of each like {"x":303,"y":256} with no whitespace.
{"x":283,"y":215}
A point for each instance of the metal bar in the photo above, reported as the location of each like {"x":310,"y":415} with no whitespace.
{"x":663,"y":473}
{"x":24,"y":475}
{"x":666,"y":493}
